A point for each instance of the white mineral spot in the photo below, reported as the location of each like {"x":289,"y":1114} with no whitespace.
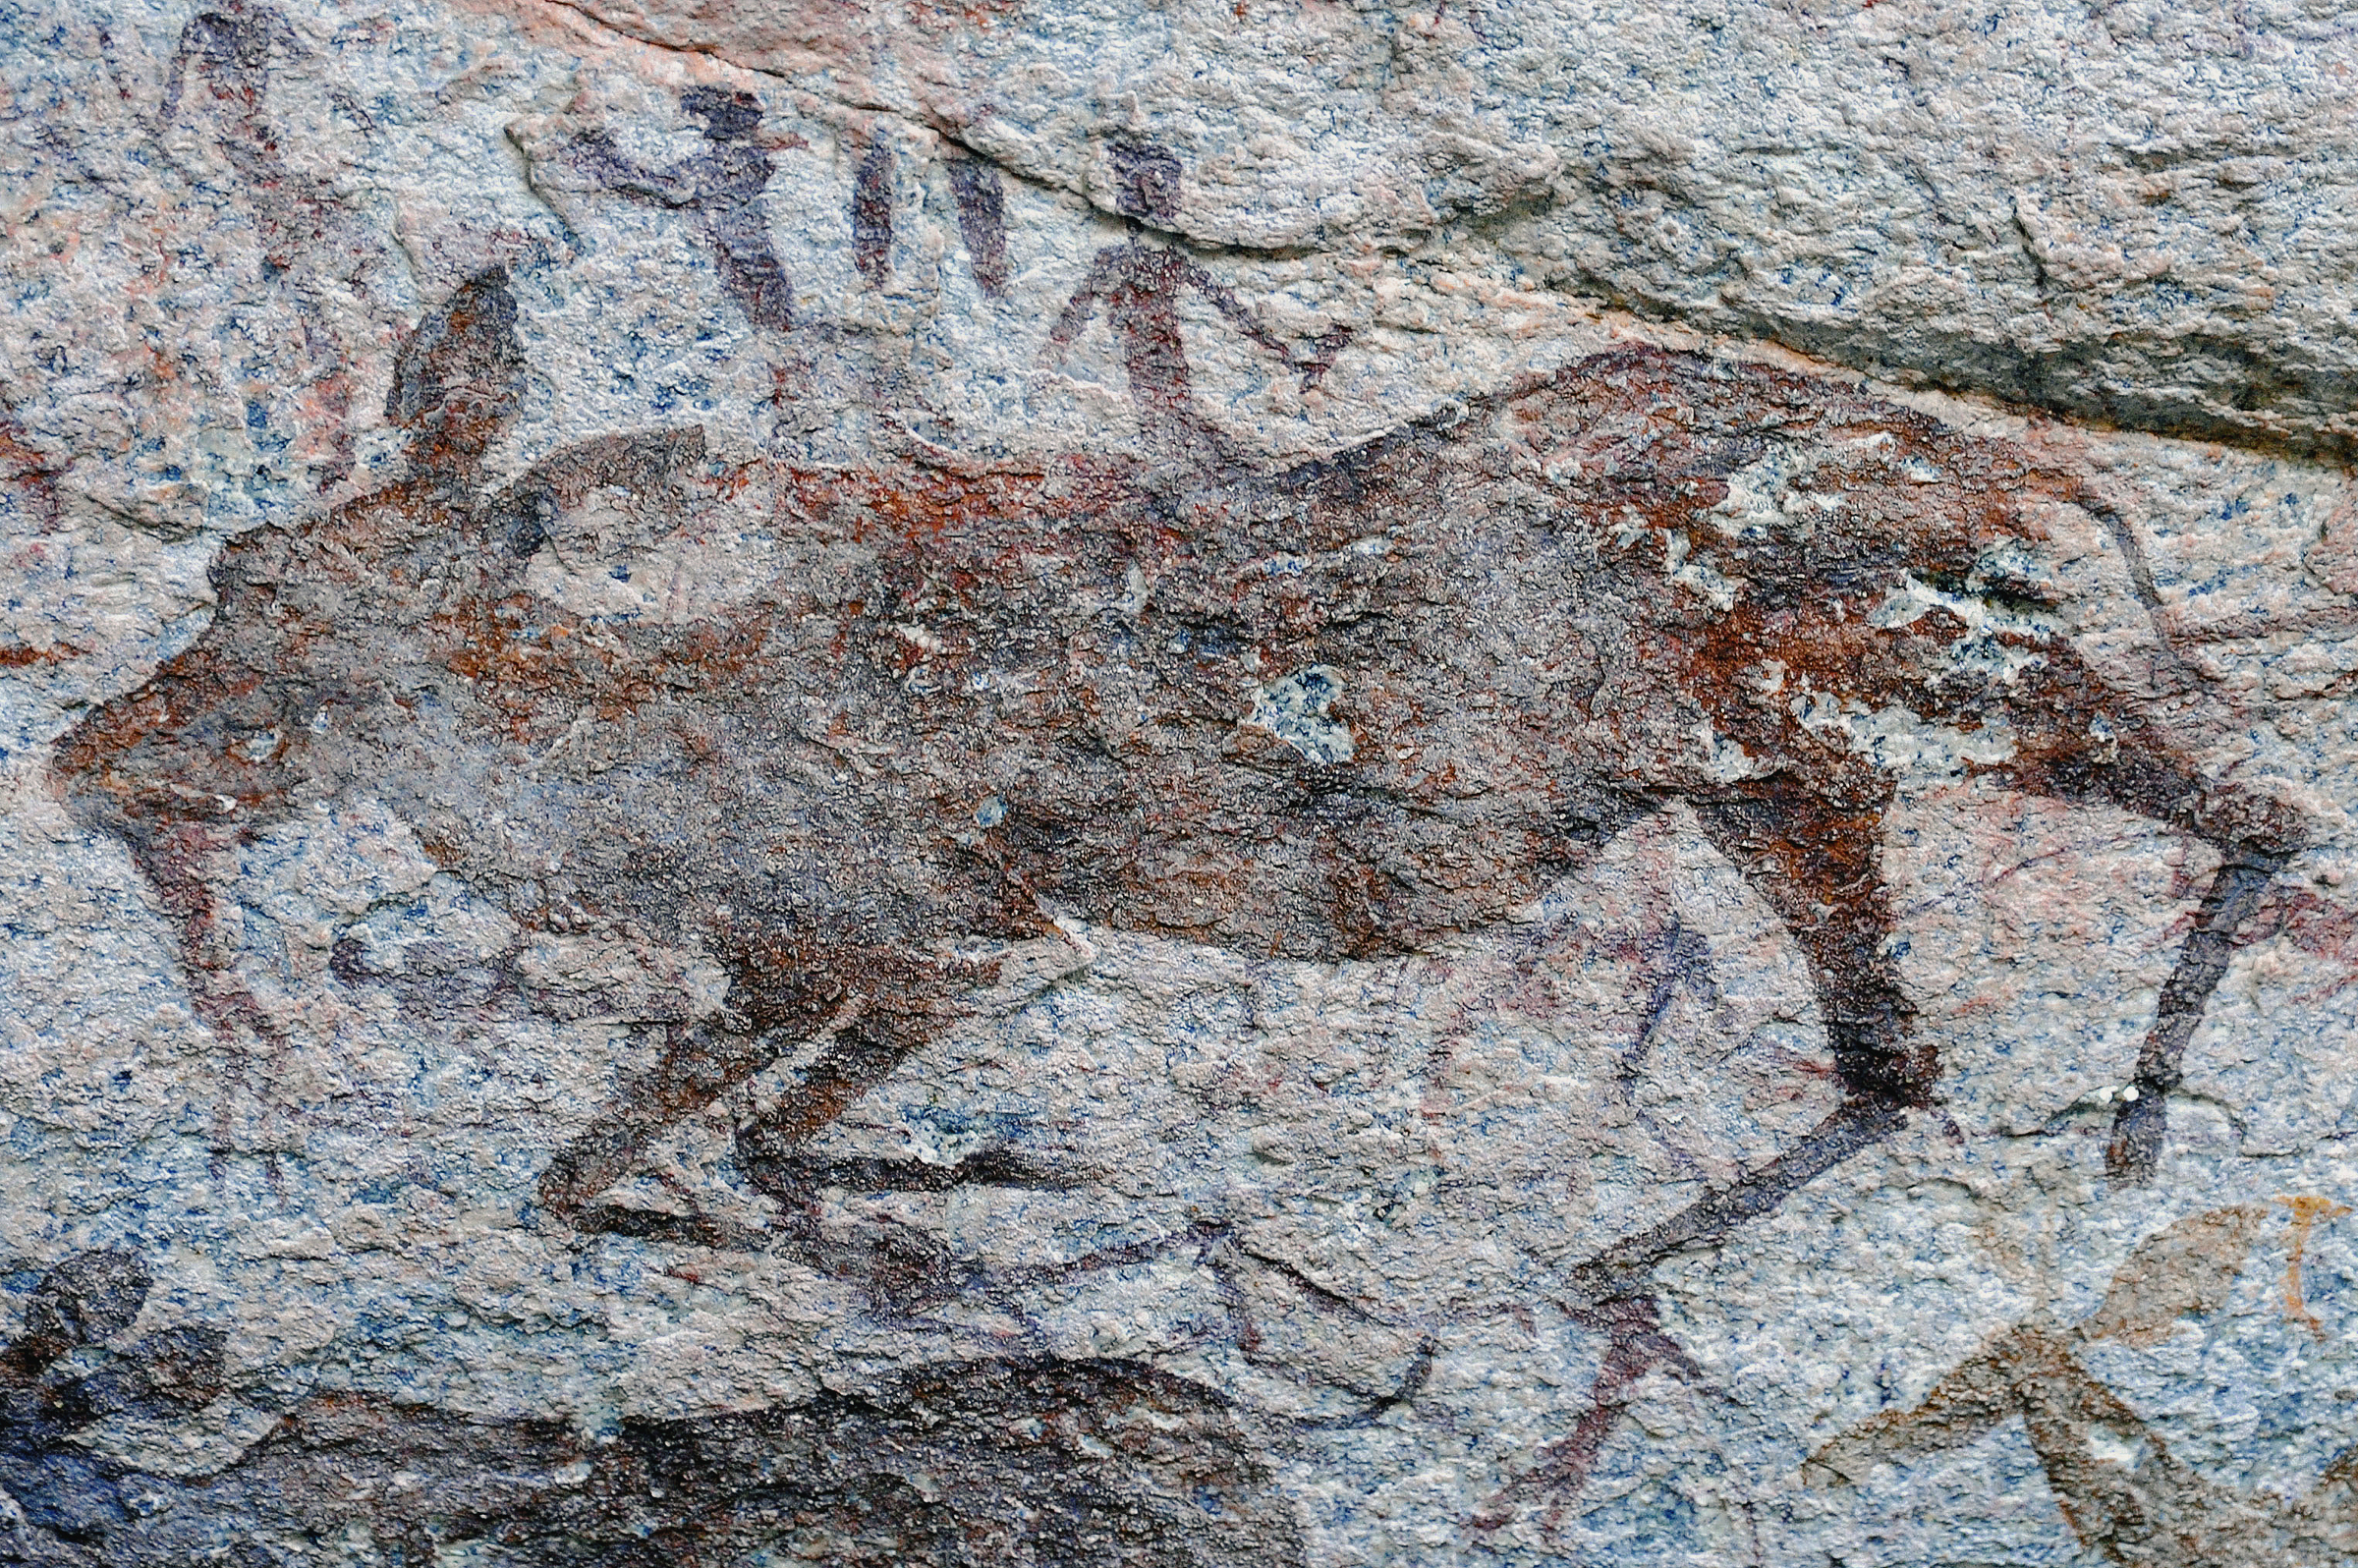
{"x":1294,"y":710}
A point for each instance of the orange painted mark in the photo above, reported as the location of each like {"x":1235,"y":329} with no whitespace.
{"x":2307,"y":1210}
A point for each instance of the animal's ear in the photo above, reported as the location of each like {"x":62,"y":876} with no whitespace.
{"x":458,"y":377}
{"x":89,"y":1298}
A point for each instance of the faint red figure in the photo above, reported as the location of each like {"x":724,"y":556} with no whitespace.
{"x":231,"y":51}
{"x":220,"y":83}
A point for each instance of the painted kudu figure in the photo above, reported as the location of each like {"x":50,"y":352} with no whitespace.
{"x":1342,"y":710}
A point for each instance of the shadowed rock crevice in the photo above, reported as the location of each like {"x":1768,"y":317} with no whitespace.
{"x":1085,"y":1462}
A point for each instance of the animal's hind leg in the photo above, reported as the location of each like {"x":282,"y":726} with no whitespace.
{"x":874,"y":1008}
{"x":2103,"y":755}
{"x":2140,"y":1124}
{"x":1817,"y":860}
{"x":1819,"y":863}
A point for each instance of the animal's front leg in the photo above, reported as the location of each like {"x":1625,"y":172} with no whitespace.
{"x":2074,"y":747}
{"x":899,"y":1266}
{"x":699,"y":1063}
{"x":2142,"y":1123}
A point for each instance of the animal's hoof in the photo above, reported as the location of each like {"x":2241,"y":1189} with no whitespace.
{"x":2139,"y":1129}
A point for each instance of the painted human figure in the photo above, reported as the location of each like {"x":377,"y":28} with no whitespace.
{"x":722,"y":188}
{"x":227,"y":52}
{"x":218,"y":89}
{"x":220,"y":80}
{"x":1140,"y":284}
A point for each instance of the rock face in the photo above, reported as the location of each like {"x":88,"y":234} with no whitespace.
{"x":1196,"y":784}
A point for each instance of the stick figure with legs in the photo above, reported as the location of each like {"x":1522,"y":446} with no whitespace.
{"x":722,"y":188}
{"x":1140,"y":284}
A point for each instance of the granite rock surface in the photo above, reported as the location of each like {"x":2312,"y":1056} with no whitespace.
{"x":1056,"y":783}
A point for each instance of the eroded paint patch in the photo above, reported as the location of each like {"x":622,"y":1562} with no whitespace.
{"x":1295,"y":711}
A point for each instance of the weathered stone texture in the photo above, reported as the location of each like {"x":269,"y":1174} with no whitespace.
{"x":2135,"y":212}
{"x":1190,"y":784}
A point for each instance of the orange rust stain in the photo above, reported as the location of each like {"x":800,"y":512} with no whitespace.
{"x":24,"y":656}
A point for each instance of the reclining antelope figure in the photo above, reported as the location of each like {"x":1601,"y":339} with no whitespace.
{"x":1341,"y":710}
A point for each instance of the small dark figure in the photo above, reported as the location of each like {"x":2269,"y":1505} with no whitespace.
{"x":722,"y":185}
{"x":982,"y":220}
{"x":1140,"y":285}
{"x":871,"y":214}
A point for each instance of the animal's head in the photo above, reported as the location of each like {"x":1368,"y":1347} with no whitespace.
{"x":457,"y":379}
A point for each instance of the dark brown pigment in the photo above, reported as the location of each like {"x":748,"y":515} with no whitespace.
{"x":1095,"y":1463}
{"x":969,"y":699}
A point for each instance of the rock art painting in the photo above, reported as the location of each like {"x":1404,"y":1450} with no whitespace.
{"x":779,"y":794}
{"x":1069,"y":1462}
{"x":722,"y":187}
{"x":2116,"y":1481}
